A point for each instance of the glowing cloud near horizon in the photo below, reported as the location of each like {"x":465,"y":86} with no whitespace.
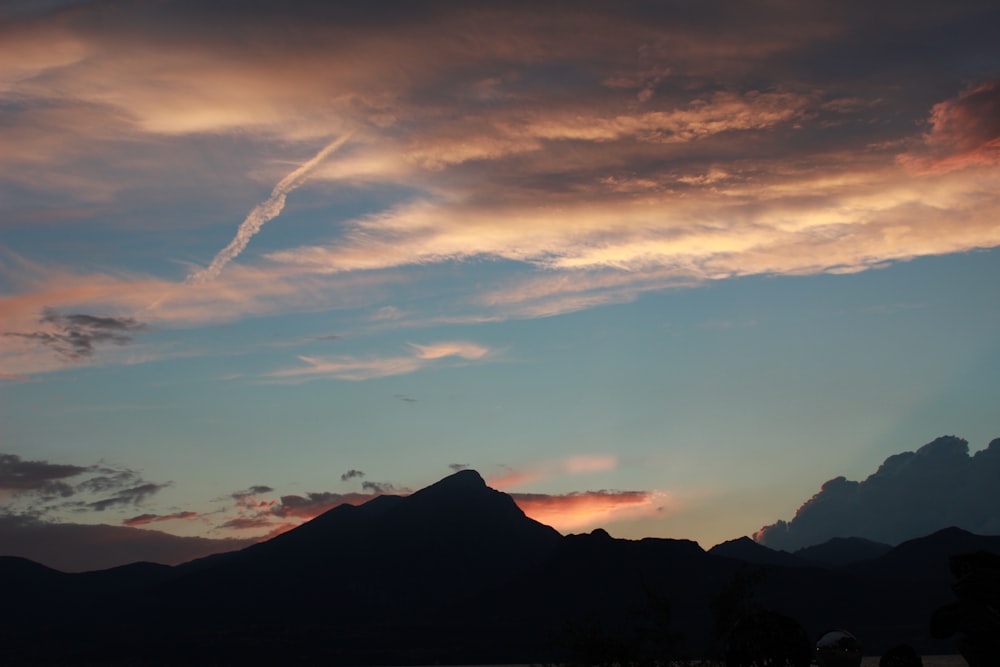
{"x":593,"y":509}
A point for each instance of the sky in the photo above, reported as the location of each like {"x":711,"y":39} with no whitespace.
{"x":662,"y":268}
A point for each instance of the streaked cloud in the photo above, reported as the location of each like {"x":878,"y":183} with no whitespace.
{"x":689,"y":150}
{"x":367,"y":368}
{"x":145,"y":519}
{"x":545,"y":470}
{"x":262,"y":213}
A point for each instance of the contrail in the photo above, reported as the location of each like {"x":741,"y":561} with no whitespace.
{"x":261,"y":213}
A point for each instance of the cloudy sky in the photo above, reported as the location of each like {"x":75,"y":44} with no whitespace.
{"x":664,"y":268}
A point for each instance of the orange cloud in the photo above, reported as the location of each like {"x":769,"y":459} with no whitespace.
{"x":673,"y":159}
{"x":592,"y":509}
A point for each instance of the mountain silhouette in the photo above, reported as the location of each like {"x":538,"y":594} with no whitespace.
{"x":457,"y":574}
{"x":842,"y":551}
{"x":748,"y":551}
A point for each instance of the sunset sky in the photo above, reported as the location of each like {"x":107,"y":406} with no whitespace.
{"x":663,"y":268}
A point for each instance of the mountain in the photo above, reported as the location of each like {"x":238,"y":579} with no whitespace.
{"x":748,"y":551}
{"x":391,"y":557}
{"x":842,"y":551}
{"x":457,"y":574}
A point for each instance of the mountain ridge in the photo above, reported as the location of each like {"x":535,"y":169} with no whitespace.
{"x":455,"y":573}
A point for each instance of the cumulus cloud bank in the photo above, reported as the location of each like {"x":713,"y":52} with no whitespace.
{"x":911,"y":494}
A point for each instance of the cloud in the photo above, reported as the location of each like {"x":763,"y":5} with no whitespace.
{"x":131,"y":496}
{"x":383,"y":488}
{"x":73,"y":337}
{"x":599,"y":152}
{"x":75,"y":547}
{"x":18,"y":475}
{"x":248,"y":523}
{"x":456,"y":467}
{"x":368,"y":368}
{"x":964,"y":131}
{"x":248,"y":499}
{"x":286,"y":511}
{"x":536,"y":472}
{"x":262,"y":213}
{"x":38,"y":488}
{"x":144,"y":519}
{"x":240,"y":291}
{"x":911,"y":495}
{"x":315,"y":503}
{"x":591,"y":509}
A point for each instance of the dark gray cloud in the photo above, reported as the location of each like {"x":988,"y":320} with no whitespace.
{"x":18,"y":475}
{"x":911,"y":494}
{"x":134,"y":495}
{"x":455,"y":467}
{"x":39,"y":487}
{"x":315,"y":503}
{"x":383,"y":488}
{"x":256,"y":512}
{"x":74,"y":337}
{"x":77,"y":547}
{"x":144,"y":519}
{"x":254,"y":490}
{"x":248,"y":523}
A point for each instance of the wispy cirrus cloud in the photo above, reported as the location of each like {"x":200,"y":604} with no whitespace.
{"x":367,"y":368}
{"x":262,"y":213}
{"x":146,"y":519}
{"x":544,"y":470}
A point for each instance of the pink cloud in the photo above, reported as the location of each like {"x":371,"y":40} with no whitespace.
{"x":964,"y":131}
{"x":591,"y":509}
{"x":571,"y":465}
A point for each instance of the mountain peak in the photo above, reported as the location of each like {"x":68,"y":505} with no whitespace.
{"x":748,"y":551}
{"x":467,"y":478}
{"x":462,"y":483}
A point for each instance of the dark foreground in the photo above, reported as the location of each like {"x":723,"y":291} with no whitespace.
{"x":456,"y":574}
